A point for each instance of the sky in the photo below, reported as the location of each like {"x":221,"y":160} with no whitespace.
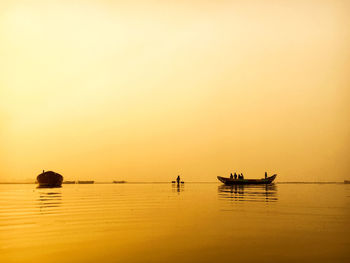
{"x":147,"y":90}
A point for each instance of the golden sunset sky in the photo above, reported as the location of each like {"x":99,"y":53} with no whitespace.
{"x":146,"y":90}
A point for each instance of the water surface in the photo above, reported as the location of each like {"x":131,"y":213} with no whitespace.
{"x":165,"y":223}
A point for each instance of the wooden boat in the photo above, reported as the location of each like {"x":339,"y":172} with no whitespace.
{"x":119,"y":182}
{"x":86,"y":182}
{"x":229,"y":181}
{"x":49,"y":179}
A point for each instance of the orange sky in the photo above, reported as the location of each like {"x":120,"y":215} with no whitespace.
{"x":146,"y":90}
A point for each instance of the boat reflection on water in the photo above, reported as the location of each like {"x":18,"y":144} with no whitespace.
{"x":250,"y":193}
{"x":49,"y":201}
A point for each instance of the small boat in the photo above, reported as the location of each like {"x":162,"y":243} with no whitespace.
{"x":68,"y":182}
{"x":346,"y":182}
{"x":119,"y":182}
{"x":229,"y":181}
{"x":86,"y":182}
{"x":174,"y":182}
{"x":49,"y":179}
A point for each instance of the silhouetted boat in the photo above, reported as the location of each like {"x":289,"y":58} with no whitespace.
{"x":229,"y":181}
{"x":68,"y":182}
{"x":119,"y":182}
{"x":49,"y":179}
{"x":174,"y":182}
{"x":86,"y":182}
{"x":346,"y":182}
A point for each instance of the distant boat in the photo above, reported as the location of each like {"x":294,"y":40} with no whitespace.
{"x":86,"y":182}
{"x":68,"y":182}
{"x":229,"y":181}
{"x":119,"y":182}
{"x":346,"y":182}
{"x":174,"y":182}
{"x":49,"y":179}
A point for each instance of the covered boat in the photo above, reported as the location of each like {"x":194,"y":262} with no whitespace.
{"x":49,"y":179}
{"x":229,"y":181}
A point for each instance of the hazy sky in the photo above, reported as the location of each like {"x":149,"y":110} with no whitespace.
{"x":146,"y":90}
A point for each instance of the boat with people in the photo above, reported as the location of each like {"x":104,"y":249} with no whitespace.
{"x":49,"y":179}
{"x":241,"y":180}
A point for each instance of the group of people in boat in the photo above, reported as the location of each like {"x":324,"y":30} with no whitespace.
{"x":236,"y":176}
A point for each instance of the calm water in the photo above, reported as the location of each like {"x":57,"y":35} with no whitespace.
{"x":163,"y":223}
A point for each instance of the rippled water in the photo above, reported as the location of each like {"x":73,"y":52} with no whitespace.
{"x":165,"y":223}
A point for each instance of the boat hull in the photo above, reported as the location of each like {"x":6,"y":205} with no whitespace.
{"x":49,"y":179}
{"x":86,"y":182}
{"x":229,"y":181}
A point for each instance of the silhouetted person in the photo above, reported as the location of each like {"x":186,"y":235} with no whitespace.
{"x":242,"y":177}
{"x":178,"y":179}
{"x":235,"y":176}
{"x":265,"y":175}
{"x":239,"y":176}
{"x":231,"y":176}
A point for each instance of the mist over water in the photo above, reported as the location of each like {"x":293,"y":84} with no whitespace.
{"x":166,"y":223}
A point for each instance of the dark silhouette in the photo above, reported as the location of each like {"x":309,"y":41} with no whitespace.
{"x":235,"y":176}
{"x":231,"y":176}
{"x":265,"y":175}
{"x":178,"y":179}
{"x":241,"y":180}
{"x":49,"y":179}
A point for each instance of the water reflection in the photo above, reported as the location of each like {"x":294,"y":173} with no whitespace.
{"x":49,"y":200}
{"x":178,"y":187}
{"x":252,"y":193}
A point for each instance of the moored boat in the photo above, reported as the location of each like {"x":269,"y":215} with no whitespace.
{"x":86,"y":182}
{"x":68,"y":182}
{"x":119,"y":182}
{"x":229,"y":181}
{"x":49,"y":179}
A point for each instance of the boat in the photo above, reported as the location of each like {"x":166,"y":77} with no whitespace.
{"x":229,"y":181}
{"x":174,"y":182}
{"x":346,"y":182}
{"x":49,"y":179}
{"x":68,"y":182}
{"x":119,"y":182}
{"x":86,"y":182}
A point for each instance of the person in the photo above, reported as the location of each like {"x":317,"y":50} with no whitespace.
{"x":265,"y":175}
{"x":178,"y":179}
{"x":242,"y":177}
{"x":235,"y":176}
{"x":231,"y":176}
{"x":239,"y":176}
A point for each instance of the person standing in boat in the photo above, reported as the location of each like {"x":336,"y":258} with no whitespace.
{"x":178,"y":179}
{"x":265,"y":175}
{"x":242,"y":176}
{"x":231,"y":176}
{"x":235,"y":176}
